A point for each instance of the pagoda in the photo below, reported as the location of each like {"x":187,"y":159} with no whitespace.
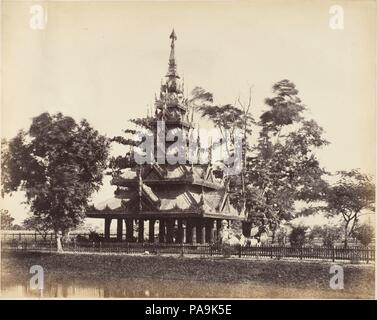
{"x":182,"y":202}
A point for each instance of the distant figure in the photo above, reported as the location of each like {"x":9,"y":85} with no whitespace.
{"x":254,"y":231}
{"x":224,"y":232}
{"x":59,"y":241}
{"x":263,"y":238}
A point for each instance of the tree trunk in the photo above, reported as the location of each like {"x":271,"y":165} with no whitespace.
{"x":273,"y":236}
{"x":346,"y":234}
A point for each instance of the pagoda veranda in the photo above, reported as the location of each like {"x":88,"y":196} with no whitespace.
{"x":166,"y":183}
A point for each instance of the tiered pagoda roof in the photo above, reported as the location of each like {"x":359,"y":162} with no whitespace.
{"x":165,"y":190}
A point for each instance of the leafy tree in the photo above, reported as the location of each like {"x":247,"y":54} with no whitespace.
{"x":352,"y":194}
{"x":199,"y":98}
{"x":58,"y":163}
{"x":364,"y":233}
{"x":297,"y":237}
{"x":283,"y":167}
{"x":231,"y":120}
{"x":281,"y":236}
{"x":6,"y":220}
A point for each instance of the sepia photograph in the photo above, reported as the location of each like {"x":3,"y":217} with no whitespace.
{"x":165,"y":150}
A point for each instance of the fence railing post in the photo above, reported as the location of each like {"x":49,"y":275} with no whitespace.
{"x":239,"y":251}
{"x":367,"y":254}
{"x":301,"y":252}
{"x":333,"y":254}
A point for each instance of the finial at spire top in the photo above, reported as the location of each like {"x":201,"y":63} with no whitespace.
{"x":172,"y":71}
{"x":173,"y":36}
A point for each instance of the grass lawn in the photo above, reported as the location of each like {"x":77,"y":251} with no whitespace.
{"x":126,"y":276}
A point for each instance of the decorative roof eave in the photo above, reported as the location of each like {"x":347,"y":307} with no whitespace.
{"x":224,"y":215}
{"x":101,"y":214}
{"x":204,"y":183}
{"x":114,"y":214}
{"x":188,"y":181}
{"x":175,"y":122}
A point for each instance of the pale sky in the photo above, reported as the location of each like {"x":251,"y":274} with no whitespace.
{"x":104,"y":60}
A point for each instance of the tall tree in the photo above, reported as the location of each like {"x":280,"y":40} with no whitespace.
{"x":351,"y":196}
{"x":231,"y":121}
{"x":58,"y":163}
{"x":283,"y":167}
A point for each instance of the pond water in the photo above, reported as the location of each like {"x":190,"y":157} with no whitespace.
{"x":130,"y":288}
{"x":142,"y":288}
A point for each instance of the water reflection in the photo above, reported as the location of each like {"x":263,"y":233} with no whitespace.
{"x":130,"y":288}
{"x":58,"y":291}
{"x":144,"y":288}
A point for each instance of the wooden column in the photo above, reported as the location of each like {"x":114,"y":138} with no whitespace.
{"x":107,"y":228}
{"x":169,"y":230}
{"x":193,"y":232}
{"x":151,"y":230}
{"x":129,"y":230}
{"x":184,"y":230}
{"x":210,"y":232}
{"x":198,"y":231}
{"x":180,"y":231}
{"x":218,"y":227}
{"x":161,"y":233}
{"x":120,"y":229}
{"x":188,"y":231}
{"x":141,"y":231}
{"x":203,"y":232}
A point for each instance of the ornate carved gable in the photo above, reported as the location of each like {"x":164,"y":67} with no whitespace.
{"x":225,"y":205}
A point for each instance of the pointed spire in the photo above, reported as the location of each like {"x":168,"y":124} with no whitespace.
{"x":172,"y":71}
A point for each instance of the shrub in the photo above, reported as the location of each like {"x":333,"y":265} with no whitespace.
{"x":364,"y":233}
{"x":297,"y":236}
{"x":328,"y":234}
{"x":281,"y":236}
